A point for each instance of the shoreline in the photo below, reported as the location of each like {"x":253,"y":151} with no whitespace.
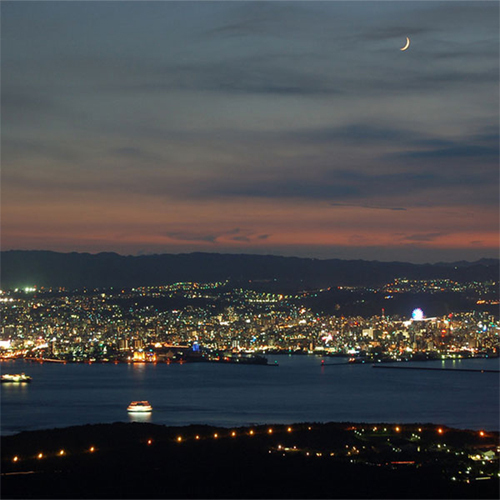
{"x":357,"y":361}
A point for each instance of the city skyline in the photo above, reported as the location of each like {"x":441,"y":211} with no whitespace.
{"x":289,"y":128}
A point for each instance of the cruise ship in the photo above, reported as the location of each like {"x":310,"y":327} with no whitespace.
{"x":139,"y":407}
{"x":17,"y":377}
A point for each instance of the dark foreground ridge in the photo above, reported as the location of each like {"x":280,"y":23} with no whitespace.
{"x":333,"y":460}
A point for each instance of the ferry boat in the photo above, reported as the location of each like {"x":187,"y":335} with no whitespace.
{"x":139,"y":407}
{"x":16,"y":377}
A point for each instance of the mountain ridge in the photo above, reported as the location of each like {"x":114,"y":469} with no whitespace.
{"x":20,"y":268}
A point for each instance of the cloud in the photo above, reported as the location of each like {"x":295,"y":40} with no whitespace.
{"x":184,"y":236}
{"x":401,"y":31}
{"x":235,"y":234}
{"x":457,"y":151}
{"x":424,"y":237}
{"x":371,"y":207}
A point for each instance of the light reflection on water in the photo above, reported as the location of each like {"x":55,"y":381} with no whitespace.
{"x":298,"y":390}
{"x":139,"y":417}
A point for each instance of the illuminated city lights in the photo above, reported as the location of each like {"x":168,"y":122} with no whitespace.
{"x":417,"y":314}
{"x":294,"y":328}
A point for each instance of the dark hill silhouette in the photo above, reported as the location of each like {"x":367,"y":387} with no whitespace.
{"x":22,"y":268}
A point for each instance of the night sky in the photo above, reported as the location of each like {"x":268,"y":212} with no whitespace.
{"x":289,"y":128}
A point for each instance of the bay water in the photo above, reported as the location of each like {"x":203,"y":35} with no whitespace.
{"x":299,"y":389}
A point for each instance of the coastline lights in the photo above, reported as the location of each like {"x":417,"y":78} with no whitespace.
{"x":216,"y":436}
{"x":251,"y":432}
{"x":233,"y":434}
{"x":270,"y":431}
{"x":62,"y":452}
{"x":40,"y":455}
{"x":15,"y":459}
{"x":289,"y":429}
{"x":150,"y":441}
{"x":440,"y":431}
{"x":91,"y":449}
{"x":179,"y":439}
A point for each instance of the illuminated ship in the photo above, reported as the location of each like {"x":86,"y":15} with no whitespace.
{"x":139,"y":407}
{"x":7,"y":377}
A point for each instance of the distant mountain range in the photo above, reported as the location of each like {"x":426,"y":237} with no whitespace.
{"x":22,"y":268}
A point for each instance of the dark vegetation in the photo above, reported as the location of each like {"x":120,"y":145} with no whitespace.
{"x":124,"y":465}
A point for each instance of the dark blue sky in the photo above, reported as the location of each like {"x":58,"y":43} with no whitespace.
{"x":293,"y":128}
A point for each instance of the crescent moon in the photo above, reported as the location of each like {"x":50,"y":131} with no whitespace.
{"x":407,"y":44}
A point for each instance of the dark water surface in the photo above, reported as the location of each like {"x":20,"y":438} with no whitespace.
{"x":298,"y":390}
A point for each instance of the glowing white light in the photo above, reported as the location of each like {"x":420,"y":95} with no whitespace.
{"x":417,"y":314}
